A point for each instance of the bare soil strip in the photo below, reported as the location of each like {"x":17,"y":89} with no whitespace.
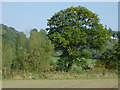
{"x":82,"y":83}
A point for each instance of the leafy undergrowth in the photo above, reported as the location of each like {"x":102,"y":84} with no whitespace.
{"x":77,"y":74}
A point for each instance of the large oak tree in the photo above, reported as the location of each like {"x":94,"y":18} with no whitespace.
{"x":73,"y":29}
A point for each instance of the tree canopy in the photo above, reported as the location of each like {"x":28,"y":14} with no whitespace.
{"x":73,"y":29}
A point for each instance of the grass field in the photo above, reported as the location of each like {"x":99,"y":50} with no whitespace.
{"x":81,"y":83}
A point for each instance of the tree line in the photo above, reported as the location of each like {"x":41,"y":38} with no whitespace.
{"x":20,"y":53}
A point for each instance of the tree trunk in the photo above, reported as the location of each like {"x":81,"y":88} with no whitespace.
{"x":69,"y":67}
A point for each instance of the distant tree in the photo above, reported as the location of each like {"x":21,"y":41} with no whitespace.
{"x":72,"y":29}
{"x":7,"y":57}
{"x":110,"y":57}
{"x":40,"y":51}
{"x":9,"y":35}
{"x":43,"y":33}
{"x":19,"y":61}
{"x":110,"y":30}
{"x":113,"y":32}
{"x":10,"y":42}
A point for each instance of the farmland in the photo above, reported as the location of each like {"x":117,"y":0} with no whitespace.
{"x":70,"y":83}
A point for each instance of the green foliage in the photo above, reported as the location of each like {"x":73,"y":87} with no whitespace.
{"x":9,"y":35}
{"x":40,"y":51}
{"x":21,"y":54}
{"x":86,"y":62}
{"x":19,"y":62}
{"x":110,"y":57}
{"x":113,"y":33}
{"x":43,"y":33}
{"x":7,"y":57}
{"x":74,"y":28}
{"x":86,"y":54}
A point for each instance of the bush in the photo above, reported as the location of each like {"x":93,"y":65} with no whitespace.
{"x":86,"y":63}
{"x":110,"y":58}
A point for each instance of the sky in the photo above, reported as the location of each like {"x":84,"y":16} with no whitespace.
{"x":24,"y":16}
